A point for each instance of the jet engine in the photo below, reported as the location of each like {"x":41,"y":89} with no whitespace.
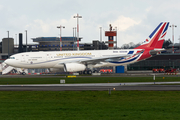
{"x":74,"y":67}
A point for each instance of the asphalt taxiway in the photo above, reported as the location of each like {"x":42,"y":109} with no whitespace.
{"x":152,"y":86}
{"x":91,"y":88}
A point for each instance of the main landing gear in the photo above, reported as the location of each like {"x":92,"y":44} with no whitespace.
{"x":88,"y":71}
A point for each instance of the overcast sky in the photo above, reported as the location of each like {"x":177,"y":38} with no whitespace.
{"x":135,"y":19}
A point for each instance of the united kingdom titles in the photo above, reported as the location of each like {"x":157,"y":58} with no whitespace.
{"x":74,"y":54}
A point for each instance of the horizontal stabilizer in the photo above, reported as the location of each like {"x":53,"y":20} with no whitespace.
{"x":156,"y":51}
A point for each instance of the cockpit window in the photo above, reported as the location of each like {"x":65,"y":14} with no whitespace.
{"x":12,"y":57}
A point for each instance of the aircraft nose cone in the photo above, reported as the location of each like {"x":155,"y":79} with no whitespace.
{"x":7,"y":61}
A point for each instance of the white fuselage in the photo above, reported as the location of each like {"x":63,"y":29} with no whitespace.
{"x":56,"y":59}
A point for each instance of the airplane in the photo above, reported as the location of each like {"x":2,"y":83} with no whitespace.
{"x":74,"y":61}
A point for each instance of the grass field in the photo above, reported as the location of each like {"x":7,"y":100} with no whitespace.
{"x":55,"y":80}
{"x":90,"y":105}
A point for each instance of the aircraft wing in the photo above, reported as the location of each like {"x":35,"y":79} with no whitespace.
{"x":101,"y":59}
{"x":108,"y":58}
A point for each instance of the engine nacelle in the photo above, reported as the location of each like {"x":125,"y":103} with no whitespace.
{"x":74,"y":67}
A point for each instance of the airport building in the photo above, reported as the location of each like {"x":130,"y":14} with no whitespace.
{"x":53,"y":43}
{"x":68,"y":44}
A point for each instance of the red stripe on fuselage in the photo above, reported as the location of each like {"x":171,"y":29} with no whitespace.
{"x":145,"y":55}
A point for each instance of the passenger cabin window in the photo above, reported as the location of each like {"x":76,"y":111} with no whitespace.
{"x":12,"y":57}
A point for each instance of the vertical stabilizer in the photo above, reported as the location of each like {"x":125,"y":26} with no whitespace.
{"x":156,"y":38}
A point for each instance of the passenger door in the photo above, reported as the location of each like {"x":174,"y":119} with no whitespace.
{"x":23,"y":58}
{"x":48,"y":56}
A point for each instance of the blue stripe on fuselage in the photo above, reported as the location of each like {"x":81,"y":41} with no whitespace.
{"x":126,"y":60}
{"x":130,"y":52}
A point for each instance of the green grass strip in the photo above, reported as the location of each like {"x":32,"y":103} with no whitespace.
{"x":55,"y":80}
{"x":89,"y":105}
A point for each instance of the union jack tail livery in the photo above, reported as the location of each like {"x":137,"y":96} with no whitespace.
{"x":156,"y":38}
{"x":155,"y":41}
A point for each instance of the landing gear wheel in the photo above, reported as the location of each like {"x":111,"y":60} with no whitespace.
{"x":89,"y":72}
{"x":85,"y":72}
{"x":23,"y":73}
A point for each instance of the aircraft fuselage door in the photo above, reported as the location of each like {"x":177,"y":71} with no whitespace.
{"x":23,"y":58}
{"x":48,"y":56}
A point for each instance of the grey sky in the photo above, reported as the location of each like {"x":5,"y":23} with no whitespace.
{"x":135,"y":19}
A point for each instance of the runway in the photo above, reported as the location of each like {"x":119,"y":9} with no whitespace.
{"x":91,"y":88}
{"x":151,"y":86}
